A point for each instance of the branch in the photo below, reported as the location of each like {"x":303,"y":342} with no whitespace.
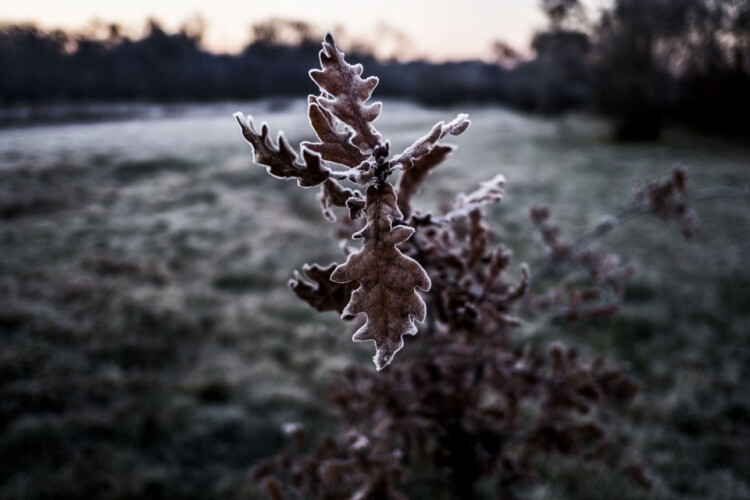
{"x":617,"y":220}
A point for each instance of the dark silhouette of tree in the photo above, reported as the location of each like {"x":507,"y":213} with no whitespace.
{"x":680,"y":60}
{"x":558,"y":79}
{"x":642,"y":63}
{"x":32,"y":62}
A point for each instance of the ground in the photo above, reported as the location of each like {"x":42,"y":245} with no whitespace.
{"x":149,"y":346}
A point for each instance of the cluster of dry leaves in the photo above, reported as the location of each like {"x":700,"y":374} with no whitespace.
{"x":342,"y":120}
{"x":668,"y":200}
{"x":466,"y":400}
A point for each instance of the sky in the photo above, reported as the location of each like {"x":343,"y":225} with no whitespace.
{"x":435,"y":29}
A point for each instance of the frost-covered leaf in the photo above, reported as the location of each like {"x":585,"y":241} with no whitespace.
{"x":362,"y":174}
{"x":345,"y":93}
{"x":355,"y":205}
{"x":489,"y":192}
{"x":387,"y":278}
{"x":332,"y":194}
{"x":318,"y":290}
{"x":335,"y":145}
{"x":280,"y":160}
{"x":411,"y":180}
{"x":425,"y":144}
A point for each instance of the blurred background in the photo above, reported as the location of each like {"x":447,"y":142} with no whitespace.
{"x":149,"y":346}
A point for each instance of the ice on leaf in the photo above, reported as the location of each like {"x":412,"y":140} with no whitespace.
{"x":345,"y":93}
{"x":388,"y":279}
{"x":334,"y":145}
{"x":280,"y":160}
{"x":424,"y":145}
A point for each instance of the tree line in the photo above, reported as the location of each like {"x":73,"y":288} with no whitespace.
{"x":640,"y":62}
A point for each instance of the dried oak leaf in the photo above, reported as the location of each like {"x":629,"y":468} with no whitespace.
{"x":281,"y":161}
{"x":318,"y":290}
{"x":335,"y":145}
{"x":387,"y":279}
{"x":345,"y":93}
{"x":489,"y":192}
{"x":333,"y":194}
{"x":410,"y":180}
{"x":425,"y":144}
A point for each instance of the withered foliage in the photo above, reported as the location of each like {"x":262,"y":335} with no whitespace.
{"x":344,"y":94}
{"x":342,"y":120}
{"x":588,"y":285}
{"x":280,"y":159}
{"x":335,"y":145}
{"x":425,"y":145}
{"x":317,"y":289}
{"x":387,"y":278}
{"x":410,"y":180}
{"x":668,"y":200}
{"x":467,"y":400}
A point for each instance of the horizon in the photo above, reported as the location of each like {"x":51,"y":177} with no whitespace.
{"x":423,"y":30}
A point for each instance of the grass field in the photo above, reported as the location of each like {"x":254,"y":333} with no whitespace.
{"x":149,"y":347}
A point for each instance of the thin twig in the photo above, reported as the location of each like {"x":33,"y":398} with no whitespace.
{"x":630,"y":213}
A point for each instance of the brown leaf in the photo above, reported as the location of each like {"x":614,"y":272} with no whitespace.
{"x":355,"y":205}
{"x":387,"y":279}
{"x":334,"y":145}
{"x":281,"y":161}
{"x":425,"y":144}
{"x":668,"y":199}
{"x":333,"y":194}
{"x":412,"y":179}
{"x":491,"y":191}
{"x":321,"y":293}
{"x":347,"y":93}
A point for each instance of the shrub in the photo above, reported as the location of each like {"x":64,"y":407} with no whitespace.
{"x":465,"y":400}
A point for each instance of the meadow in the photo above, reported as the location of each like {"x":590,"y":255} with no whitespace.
{"x":150,"y":348}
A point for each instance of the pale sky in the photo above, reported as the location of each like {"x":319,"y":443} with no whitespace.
{"x":438,"y":29}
